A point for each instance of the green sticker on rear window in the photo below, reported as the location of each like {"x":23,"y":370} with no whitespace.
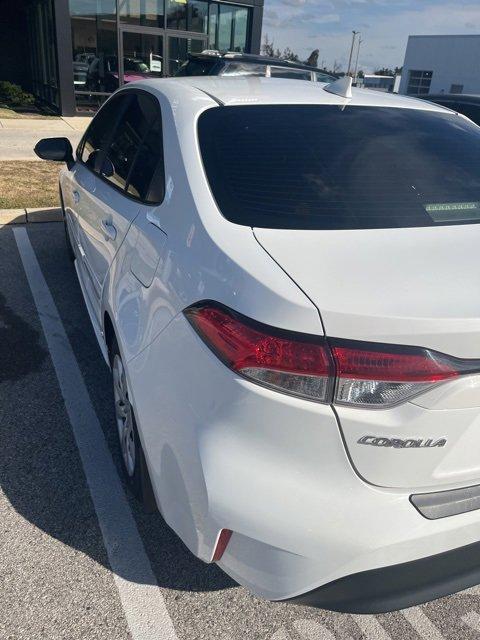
{"x":453,"y":211}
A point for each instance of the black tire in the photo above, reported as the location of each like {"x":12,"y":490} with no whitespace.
{"x":70,"y":251}
{"x":136,"y":473}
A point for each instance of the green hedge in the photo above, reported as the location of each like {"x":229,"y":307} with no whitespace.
{"x":12,"y":95}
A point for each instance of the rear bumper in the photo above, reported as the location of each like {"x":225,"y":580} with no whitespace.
{"x":399,"y":586}
{"x":225,"y":453}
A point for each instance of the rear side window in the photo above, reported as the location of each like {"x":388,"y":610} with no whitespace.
{"x":100,"y":130}
{"x":127,"y":139}
{"x":326,"y":167}
{"x":146,"y":180}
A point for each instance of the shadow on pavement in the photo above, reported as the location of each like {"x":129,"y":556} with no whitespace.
{"x":40,"y":470}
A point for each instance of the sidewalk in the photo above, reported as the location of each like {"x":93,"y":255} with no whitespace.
{"x":18,"y":136}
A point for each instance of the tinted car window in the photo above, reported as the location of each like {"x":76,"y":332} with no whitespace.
{"x":146,"y":180}
{"x":244,"y":69}
{"x":292,"y":74}
{"x":128,"y":137}
{"x":100,"y":130}
{"x":197,"y":67}
{"x":324,"y":77}
{"x":325,"y":167}
{"x":472,"y":111}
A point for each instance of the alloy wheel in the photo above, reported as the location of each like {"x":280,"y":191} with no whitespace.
{"x":124,"y":417}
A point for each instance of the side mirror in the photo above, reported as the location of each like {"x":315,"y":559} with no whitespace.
{"x":57,"y":149}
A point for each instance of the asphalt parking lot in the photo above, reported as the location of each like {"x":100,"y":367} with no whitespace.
{"x":72,"y":566}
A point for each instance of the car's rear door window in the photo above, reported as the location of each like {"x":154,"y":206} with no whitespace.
{"x":128,"y":137}
{"x":100,"y":130}
{"x":330,"y":167}
{"x":146,"y":180}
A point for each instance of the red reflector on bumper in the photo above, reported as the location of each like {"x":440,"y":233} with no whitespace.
{"x":222,"y":542}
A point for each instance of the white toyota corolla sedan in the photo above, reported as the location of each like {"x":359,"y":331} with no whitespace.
{"x":284,"y":277}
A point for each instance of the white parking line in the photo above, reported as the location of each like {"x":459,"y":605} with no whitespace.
{"x":472,"y":620}
{"x":311,"y":630}
{"x":142,"y":601}
{"x":371,"y":627}
{"x":422,"y":624}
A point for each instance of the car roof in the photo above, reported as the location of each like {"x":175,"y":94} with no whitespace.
{"x":251,"y":90}
{"x":255,"y":59}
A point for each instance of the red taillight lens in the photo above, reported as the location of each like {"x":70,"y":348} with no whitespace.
{"x":385,"y":376}
{"x":359,"y":374}
{"x":264,"y":354}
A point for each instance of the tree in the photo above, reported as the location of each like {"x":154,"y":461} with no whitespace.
{"x":268,"y":48}
{"x":337,"y":67}
{"x":385,"y":71}
{"x":288,"y":54}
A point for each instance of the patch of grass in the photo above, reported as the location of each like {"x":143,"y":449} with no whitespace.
{"x":8,"y":114}
{"x":29,"y":184}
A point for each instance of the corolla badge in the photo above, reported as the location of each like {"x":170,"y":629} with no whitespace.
{"x":398,"y":443}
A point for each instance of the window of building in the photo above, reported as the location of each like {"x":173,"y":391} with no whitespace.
{"x":187,"y":15}
{"x":419,"y":82}
{"x":95,"y":50}
{"x":148,"y":13}
{"x":225,"y":22}
{"x":240,"y":28}
{"x":213,"y":19}
{"x":43,"y":56}
{"x":456,"y":88}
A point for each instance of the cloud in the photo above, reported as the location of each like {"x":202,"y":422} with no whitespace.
{"x":385,"y":25}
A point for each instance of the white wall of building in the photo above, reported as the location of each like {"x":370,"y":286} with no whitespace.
{"x":454,"y":60}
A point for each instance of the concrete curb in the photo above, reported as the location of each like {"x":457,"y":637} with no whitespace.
{"x":22,"y":216}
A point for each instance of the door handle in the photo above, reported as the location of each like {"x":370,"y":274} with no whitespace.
{"x":109,"y":230}
{"x":76,"y":197}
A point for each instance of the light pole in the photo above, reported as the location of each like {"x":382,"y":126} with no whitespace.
{"x":356,"y":62}
{"x":351,"y":53}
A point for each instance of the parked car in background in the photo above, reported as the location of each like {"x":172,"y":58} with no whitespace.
{"x":80,"y":74}
{"x":103,"y":72}
{"x":468,"y":105}
{"x":287,"y":292}
{"x":214,"y":63}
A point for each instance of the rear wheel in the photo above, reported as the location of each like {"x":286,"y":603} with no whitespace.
{"x":133,"y":459}
{"x":70,"y":251}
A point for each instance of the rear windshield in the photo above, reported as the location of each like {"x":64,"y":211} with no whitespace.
{"x":324,"y":167}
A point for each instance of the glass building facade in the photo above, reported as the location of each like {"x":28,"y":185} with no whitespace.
{"x":72,"y":54}
{"x":118,"y":41}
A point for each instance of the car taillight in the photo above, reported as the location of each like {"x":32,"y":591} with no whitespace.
{"x":279,"y":359}
{"x":385,"y":375}
{"x":360,"y":374}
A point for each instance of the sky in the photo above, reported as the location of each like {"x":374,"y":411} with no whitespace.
{"x":304,"y":25}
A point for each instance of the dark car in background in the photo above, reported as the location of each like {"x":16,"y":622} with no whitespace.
{"x":468,"y":105}
{"x":214,"y":63}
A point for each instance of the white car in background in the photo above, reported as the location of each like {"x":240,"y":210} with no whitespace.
{"x":285,"y":280}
